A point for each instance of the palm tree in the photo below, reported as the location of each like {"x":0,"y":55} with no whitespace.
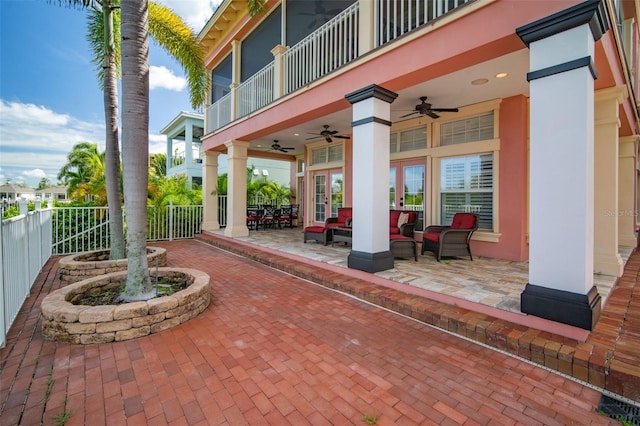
{"x":170,"y":32}
{"x":135,"y":143}
{"x":158,"y":165}
{"x":84,"y":173}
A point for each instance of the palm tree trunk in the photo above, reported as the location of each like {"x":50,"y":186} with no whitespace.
{"x":135,"y":142}
{"x":112,"y":149}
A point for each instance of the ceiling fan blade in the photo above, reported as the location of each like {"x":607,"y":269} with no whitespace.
{"x":411,"y":113}
{"x":341,"y":137}
{"x":445,"y":109}
{"x":432,"y":114}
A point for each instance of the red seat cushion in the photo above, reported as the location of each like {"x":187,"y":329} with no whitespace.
{"x":395,"y":237}
{"x":314,"y":229}
{"x":463,"y":221}
{"x":432,"y":236}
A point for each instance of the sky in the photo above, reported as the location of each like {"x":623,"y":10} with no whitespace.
{"x":49,"y":94}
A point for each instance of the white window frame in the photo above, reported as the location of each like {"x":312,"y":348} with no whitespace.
{"x":491,"y":146}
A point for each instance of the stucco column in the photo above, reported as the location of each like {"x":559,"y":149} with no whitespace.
{"x":237,"y":189}
{"x":278,"y":71}
{"x":210,"y":220}
{"x":235,"y":77}
{"x":366,"y":27}
{"x":371,"y":135}
{"x":606,"y":259}
{"x":627,"y":210}
{"x":561,"y":53}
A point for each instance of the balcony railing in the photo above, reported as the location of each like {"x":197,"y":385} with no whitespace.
{"x":256,"y":92}
{"x":330,"y":47}
{"x":394,"y":18}
{"x":219,"y":114}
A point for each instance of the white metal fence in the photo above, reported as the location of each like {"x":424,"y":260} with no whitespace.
{"x":25,"y":246}
{"x":27,"y":241}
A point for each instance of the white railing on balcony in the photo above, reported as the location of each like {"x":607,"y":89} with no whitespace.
{"x":219,"y":114}
{"x":25,"y":246}
{"x":329,"y":47}
{"x":326,"y":49}
{"x":255,"y":92}
{"x":394,"y":18}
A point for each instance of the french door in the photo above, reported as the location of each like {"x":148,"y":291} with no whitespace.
{"x":328,"y":189}
{"x":406,"y":185}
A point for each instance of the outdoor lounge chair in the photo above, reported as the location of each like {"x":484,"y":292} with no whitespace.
{"x":451,"y":240}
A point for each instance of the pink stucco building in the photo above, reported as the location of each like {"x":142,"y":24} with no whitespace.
{"x":530,"y":121}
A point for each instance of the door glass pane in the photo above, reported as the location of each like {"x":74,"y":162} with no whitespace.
{"x":413,"y":187}
{"x":392,"y":188}
{"x":336,"y":193}
{"x":319,"y":198}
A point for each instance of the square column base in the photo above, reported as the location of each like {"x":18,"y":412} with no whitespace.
{"x":370,"y":262}
{"x":579,"y":310}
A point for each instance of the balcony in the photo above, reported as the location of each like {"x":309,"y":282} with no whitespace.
{"x":332,"y":46}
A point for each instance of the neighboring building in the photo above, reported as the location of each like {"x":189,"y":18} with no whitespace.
{"x":53,"y":193}
{"x":184,"y":153}
{"x":184,"y":146}
{"x":524,"y":112}
{"x":12,"y":192}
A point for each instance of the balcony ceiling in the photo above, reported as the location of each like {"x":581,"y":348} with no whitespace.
{"x":454,"y":90}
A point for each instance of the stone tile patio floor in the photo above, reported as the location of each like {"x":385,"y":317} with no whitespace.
{"x":276,"y":349}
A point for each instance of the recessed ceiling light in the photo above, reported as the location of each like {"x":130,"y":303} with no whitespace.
{"x":501,"y":75}
{"x":296,"y":134}
{"x":479,"y":81}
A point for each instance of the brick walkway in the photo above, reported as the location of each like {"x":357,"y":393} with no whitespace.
{"x":274,"y":349}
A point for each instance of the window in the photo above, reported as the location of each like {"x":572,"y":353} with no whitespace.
{"x":467,"y":130}
{"x":221,"y":80}
{"x":408,"y":140}
{"x":327,"y":154}
{"x":466,"y":185}
{"x":256,"y":48}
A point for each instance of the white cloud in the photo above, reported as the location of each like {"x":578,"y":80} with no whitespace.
{"x":163,"y":78}
{"x":157,"y":144}
{"x":35,"y":173}
{"x":195,"y":13}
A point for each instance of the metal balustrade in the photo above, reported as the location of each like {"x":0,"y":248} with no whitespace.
{"x":219,"y":113}
{"x":329,"y":47}
{"x":256,"y":92}
{"x":394,"y":18}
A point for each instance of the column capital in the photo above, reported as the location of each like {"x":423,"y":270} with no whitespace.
{"x":278,"y":50}
{"x":371,"y":91}
{"x":619,"y":93}
{"x":590,"y":12}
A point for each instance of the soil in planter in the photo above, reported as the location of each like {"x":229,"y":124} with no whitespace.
{"x":166,"y":286}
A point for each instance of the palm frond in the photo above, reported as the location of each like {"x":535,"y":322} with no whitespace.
{"x":173,"y":34}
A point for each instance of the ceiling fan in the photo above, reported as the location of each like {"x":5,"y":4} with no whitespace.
{"x":277,"y":147}
{"x":424,"y":108}
{"x":329,"y":134}
{"x":320,"y":14}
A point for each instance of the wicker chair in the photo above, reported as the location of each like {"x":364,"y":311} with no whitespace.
{"x":446,"y":241}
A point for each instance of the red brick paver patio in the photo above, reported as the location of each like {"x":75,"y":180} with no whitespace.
{"x":274,"y":349}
